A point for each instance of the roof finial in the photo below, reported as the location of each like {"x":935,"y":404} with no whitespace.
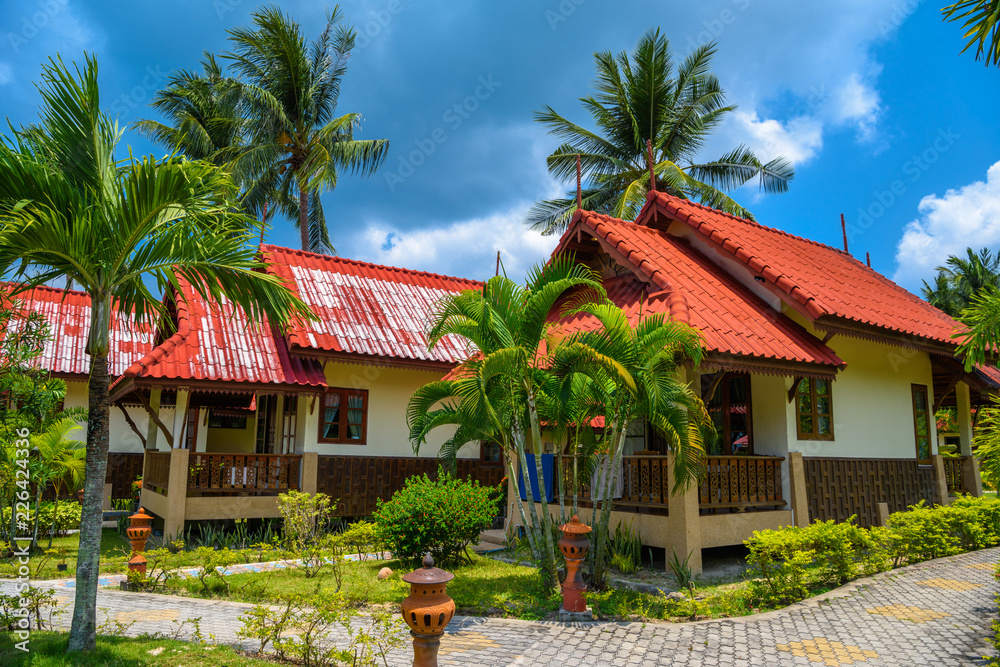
{"x":649,"y":159}
{"x":868,"y":259}
{"x":579,"y":187}
{"x":843,"y":228}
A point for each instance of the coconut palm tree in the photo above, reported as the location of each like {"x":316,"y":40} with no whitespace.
{"x":68,"y":207}
{"x":642,"y":99}
{"x":496,"y":394}
{"x":296,"y":145}
{"x":981,"y":22}
{"x":961,"y":279}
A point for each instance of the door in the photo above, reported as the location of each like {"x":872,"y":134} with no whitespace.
{"x":731,"y":412}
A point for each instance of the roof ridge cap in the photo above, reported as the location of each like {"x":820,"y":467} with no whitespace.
{"x":361,"y":262}
{"x":159,"y":352}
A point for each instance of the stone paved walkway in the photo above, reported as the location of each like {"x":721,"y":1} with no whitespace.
{"x":934,"y":613}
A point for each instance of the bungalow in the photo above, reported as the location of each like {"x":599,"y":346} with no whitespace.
{"x":821,"y":375}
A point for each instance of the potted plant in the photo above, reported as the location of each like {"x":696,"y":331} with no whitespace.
{"x":61,"y":565}
{"x":136,"y":492}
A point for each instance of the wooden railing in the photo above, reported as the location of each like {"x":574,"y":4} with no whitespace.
{"x":728,"y":482}
{"x":357,"y":483}
{"x":261,"y":474}
{"x":156,"y":476}
{"x":953,"y":474}
{"x":123,"y":468}
{"x":741,"y":481}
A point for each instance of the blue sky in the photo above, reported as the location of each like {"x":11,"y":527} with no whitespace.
{"x":884,"y":119}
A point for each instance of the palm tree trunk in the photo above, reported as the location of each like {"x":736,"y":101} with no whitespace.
{"x":607,"y":502}
{"x":39,"y":488}
{"x":55,"y":514}
{"x":562,"y":490}
{"x":514,"y":464}
{"x":82,"y":636}
{"x":522,"y":455}
{"x":304,"y":215}
{"x":549,"y":557}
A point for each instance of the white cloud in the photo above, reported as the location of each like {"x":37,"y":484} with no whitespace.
{"x":947,"y":226}
{"x":798,"y":140}
{"x":466,"y":248}
{"x":4,"y":73}
{"x":41,"y":30}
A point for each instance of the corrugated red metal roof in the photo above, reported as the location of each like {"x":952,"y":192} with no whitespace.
{"x":216,"y":342}
{"x":68,"y":315}
{"x":676,"y":280}
{"x":819,"y":279}
{"x":367,"y":310}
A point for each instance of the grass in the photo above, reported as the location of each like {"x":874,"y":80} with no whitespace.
{"x":484,"y":587}
{"x":115,"y":552}
{"x":114,"y":556}
{"x":48,"y":649}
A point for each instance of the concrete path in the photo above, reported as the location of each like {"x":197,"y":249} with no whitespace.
{"x":935,"y":613}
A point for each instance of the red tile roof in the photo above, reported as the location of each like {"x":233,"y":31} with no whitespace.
{"x":366,"y":310}
{"x":682,"y":283}
{"x":817,"y":279}
{"x":68,"y":315}
{"x":217,"y":343}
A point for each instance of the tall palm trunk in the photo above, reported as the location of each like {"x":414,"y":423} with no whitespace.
{"x":522,"y":456}
{"x":514,"y":464}
{"x":607,"y":503}
{"x":82,"y":635}
{"x":549,"y":555}
{"x":304,"y":215}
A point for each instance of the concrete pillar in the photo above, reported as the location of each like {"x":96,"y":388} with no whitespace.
{"x":940,"y":480}
{"x":684,"y":521}
{"x":963,"y":413}
{"x":177,"y":483}
{"x":152,"y":431}
{"x":303,"y":421}
{"x":799,"y":491}
{"x":180,"y":416}
{"x":201,"y":441}
{"x":309,"y":471}
{"x":882,"y":512}
{"x":970,"y":475}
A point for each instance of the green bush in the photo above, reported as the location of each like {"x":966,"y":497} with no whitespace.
{"x":67,"y":516}
{"x":995,"y":639}
{"x":786,"y":564}
{"x":441,"y":517}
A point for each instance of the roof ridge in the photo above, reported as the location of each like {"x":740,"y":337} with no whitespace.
{"x":161,"y":351}
{"x":47,"y":288}
{"x":755,"y":223}
{"x":266,"y":247}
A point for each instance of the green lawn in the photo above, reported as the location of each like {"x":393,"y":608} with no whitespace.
{"x":48,"y":649}
{"x":483,"y":588}
{"x":114,"y":556}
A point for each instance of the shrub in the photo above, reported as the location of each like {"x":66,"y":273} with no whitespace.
{"x":442,"y":517}
{"x":995,"y":639}
{"x":67,"y":516}
{"x":920,"y":534}
{"x":305,"y":517}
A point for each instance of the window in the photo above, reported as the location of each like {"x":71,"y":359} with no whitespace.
{"x":922,"y":422}
{"x":345,"y":416}
{"x":490,"y":453}
{"x":216,"y":420}
{"x":814,"y":409}
{"x":730,"y":410}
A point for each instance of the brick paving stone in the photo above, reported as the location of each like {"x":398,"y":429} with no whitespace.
{"x":933,"y":613}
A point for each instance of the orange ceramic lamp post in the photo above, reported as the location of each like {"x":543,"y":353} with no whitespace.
{"x":574,"y":546}
{"x":138,"y":532}
{"x":427,"y":610}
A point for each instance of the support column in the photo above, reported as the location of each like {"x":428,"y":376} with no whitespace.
{"x":963,"y":413}
{"x":970,"y":476}
{"x":684,"y":521}
{"x":201,"y":440}
{"x":180,"y":416}
{"x":940,"y":480}
{"x":310,"y":472}
{"x":799,"y":490}
{"x":152,"y":431}
{"x":177,"y":486}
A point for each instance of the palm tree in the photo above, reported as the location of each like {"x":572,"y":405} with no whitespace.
{"x":642,"y":99}
{"x":68,"y":207}
{"x":496,"y":395}
{"x":648,"y":356}
{"x":982,"y":26}
{"x":297,"y":146}
{"x":63,"y":461}
{"x":961,"y":279}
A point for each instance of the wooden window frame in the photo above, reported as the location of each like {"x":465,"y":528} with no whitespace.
{"x":344,"y":395}
{"x":914,"y":388}
{"x":814,"y":434}
{"x":725,"y":404}
{"x":482,"y":455}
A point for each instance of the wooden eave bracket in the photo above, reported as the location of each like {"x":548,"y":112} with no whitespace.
{"x":128,"y":419}
{"x":713,"y":385}
{"x":144,"y":401}
{"x":795,"y":387}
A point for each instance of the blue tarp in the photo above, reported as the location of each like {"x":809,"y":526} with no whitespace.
{"x":548,"y":462}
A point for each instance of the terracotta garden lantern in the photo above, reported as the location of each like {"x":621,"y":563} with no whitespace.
{"x":574,"y":546}
{"x":427,"y":610}
{"x":138,"y":532}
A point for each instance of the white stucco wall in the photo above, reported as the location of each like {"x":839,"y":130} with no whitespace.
{"x":123,"y":439}
{"x":389,"y":391}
